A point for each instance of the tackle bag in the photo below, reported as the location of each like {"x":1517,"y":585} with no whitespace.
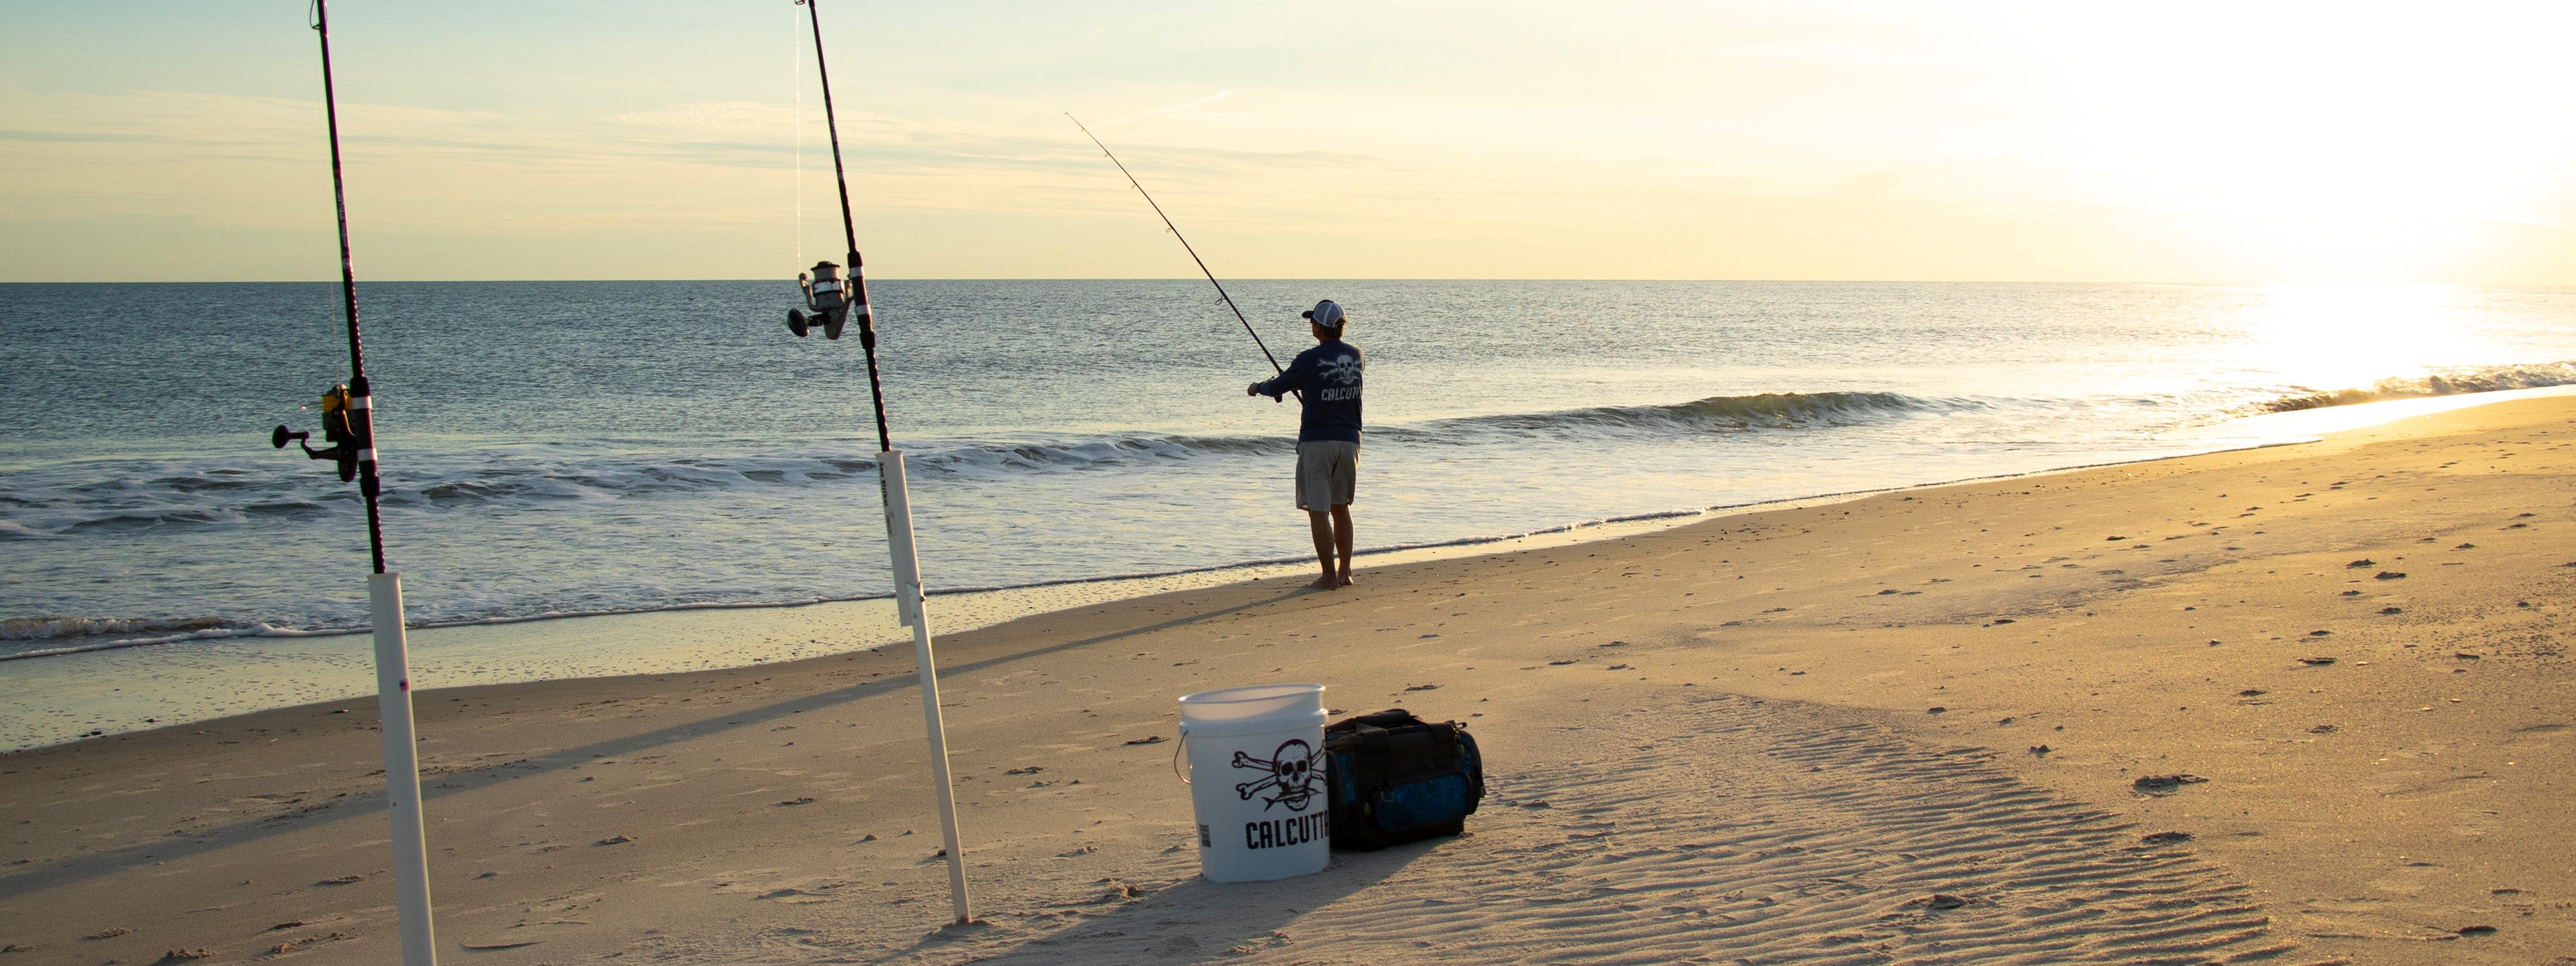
{"x":1393,"y":778}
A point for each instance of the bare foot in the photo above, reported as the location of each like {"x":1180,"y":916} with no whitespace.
{"x":1323,"y":583}
{"x":1346,"y":581}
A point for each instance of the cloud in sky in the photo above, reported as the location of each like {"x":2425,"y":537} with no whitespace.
{"x":661,"y":138}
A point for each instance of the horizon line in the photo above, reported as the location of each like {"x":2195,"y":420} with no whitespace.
{"x":1319,"y":278}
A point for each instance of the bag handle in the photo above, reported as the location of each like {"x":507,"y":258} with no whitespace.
{"x":1371,"y":737}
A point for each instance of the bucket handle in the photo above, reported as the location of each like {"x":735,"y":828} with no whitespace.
{"x":1177,"y":748}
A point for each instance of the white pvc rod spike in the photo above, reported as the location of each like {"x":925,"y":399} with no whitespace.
{"x":907,"y":597}
{"x":402,"y":770}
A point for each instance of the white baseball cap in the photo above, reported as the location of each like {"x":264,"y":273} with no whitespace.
{"x":1325,"y":313}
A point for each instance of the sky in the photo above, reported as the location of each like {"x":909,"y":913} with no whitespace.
{"x":2239,"y":142}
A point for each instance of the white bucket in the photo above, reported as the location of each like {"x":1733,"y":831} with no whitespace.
{"x":1257,"y":781}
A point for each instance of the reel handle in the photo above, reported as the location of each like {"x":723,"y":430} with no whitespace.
{"x":830,"y":322}
{"x":343,"y":454}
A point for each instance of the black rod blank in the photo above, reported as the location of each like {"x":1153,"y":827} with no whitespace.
{"x":1185,"y":243}
{"x":849,"y":229}
{"x":361,"y":413}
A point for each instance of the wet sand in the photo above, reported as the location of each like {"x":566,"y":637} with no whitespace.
{"x":2300,"y":704}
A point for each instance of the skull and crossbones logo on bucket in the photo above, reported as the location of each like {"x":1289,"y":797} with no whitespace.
{"x":1295,"y":770}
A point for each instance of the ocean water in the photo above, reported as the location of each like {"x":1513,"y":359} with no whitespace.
{"x":571,"y":448}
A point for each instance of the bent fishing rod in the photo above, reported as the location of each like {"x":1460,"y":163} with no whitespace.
{"x":1185,"y":245}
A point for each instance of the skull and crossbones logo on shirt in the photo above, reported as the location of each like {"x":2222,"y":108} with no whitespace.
{"x":1340,"y":370}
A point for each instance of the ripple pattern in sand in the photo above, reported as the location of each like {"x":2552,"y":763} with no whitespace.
{"x":1718,"y":830}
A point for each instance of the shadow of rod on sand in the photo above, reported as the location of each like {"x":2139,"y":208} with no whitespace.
{"x":371,"y":804}
{"x":1194,"y":920}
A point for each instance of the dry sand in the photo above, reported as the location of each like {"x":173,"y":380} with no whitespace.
{"x":1773,"y":737}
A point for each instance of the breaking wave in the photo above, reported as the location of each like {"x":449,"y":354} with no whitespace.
{"x":1766,"y":411}
{"x":26,"y":637}
{"x":43,"y":628}
{"x":108,"y":496}
{"x":2437,"y":384}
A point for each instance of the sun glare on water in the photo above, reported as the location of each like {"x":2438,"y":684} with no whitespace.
{"x":2343,"y":335}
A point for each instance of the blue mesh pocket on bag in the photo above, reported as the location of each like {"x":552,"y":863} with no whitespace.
{"x":1417,"y":804}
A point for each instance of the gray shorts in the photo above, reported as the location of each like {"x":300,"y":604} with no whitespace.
{"x":1327,"y":471}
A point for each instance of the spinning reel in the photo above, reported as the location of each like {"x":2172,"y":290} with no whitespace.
{"x":835,"y":300}
{"x":344,"y":427}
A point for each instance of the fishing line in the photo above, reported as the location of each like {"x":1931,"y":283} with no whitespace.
{"x":796,"y":82}
{"x":1185,"y":246}
{"x":839,"y":299}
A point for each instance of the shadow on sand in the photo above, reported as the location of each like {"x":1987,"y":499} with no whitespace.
{"x":1194,"y":920}
{"x":372,"y":804}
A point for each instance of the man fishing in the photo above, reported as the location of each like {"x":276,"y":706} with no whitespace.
{"x":1327,"y":381}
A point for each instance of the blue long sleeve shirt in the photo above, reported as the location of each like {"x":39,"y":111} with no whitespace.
{"x":1328,"y":378}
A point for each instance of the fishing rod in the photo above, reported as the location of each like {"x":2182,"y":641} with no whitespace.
{"x":836,"y":302}
{"x":1185,"y":246}
{"x":348,"y":429}
{"x":358,"y":398}
{"x":841,"y":301}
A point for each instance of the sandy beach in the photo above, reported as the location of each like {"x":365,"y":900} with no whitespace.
{"x":2302,"y":704}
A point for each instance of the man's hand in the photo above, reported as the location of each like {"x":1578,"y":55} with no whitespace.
{"x":1252,"y":390}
